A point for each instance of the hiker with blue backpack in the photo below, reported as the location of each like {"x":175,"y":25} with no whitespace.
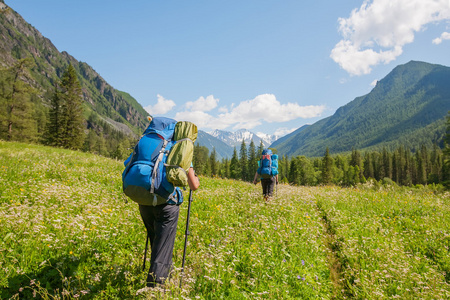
{"x":268,"y":172}
{"x":161,"y":162}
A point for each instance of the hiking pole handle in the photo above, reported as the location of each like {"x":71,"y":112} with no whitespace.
{"x":186,"y":236}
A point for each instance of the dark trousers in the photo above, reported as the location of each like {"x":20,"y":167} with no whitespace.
{"x":161,"y":223}
{"x":267,"y":186}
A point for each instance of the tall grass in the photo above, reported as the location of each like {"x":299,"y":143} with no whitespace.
{"x":68,"y":232}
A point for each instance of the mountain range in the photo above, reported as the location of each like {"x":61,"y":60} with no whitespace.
{"x":407,"y":107}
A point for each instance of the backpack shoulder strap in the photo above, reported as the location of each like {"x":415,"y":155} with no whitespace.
{"x":158,"y":160}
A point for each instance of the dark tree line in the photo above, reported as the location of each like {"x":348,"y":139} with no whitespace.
{"x":57,"y":118}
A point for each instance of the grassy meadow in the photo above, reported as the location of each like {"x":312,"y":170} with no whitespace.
{"x":67,"y":232}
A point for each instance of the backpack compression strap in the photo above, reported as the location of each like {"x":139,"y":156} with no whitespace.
{"x":176,"y":166}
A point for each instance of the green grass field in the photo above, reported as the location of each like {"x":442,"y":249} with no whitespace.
{"x":67,"y":232}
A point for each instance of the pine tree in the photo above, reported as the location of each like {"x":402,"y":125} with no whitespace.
{"x":327,"y":167}
{"x":294,"y":172}
{"x":387,"y":164}
{"x":54,"y":136}
{"x":368,"y":166}
{"x":435,"y":175}
{"x":243,"y":161}
{"x":235,"y":170}
{"x":213,"y":162}
{"x":16,"y":109}
{"x":421,"y":168}
{"x":446,"y":166}
{"x":201,"y":160}
{"x":72,"y":117}
{"x":252,"y":160}
{"x":356,"y":161}
{"x":260,"y":149}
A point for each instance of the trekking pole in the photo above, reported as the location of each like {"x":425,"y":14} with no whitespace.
{"x":145,"y":253}
{"x":186,"y":236}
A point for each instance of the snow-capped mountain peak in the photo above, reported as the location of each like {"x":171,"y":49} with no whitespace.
{"x":234,"y":139}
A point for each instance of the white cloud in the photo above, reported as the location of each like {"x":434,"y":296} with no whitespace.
{"x":247,"y":114}
{"x":444,"y":36}
{"x":203,"y":104}
{"x":284,"y":131}
{"x":162,"y":106}
{"x":223,"y":109}
{"x":377,"y":31}
{"x":251,"y":113}
{"x":199,"y":118}
{"x":374,"y":83}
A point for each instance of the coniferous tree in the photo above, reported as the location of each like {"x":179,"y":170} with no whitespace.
{"x":421,"y":168}
{"x":356,"y":161}
{"x":368,"y":166}
{"x":225,"y":168}
{"x":213,"y":162}
{"x":235,"y":170}
{"x":72,"y":117}
{"x":446,"y":165}
{"x":260,"y":149}
{"x":294,"y":172}
{"x":435,"y":175}
{"x":16,"y":109}
{"x":252,"y":160}
{"x":327,"y":164}
{"x":201,"y":160}
{"x":387,"y":164}
{"x":407,"y":169}
{"x":54,"y":136}
{"x":243,"y":159}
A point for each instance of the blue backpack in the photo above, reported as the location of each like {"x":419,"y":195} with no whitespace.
{"x":268,"y":164}
{"x":144,"y":178}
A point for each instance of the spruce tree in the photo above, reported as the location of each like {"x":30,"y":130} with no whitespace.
{"x":243,"y":161}
{"x":446,"y":166}
{"x":327,"y":167}
{"x":16,"y":109}
{"x":387,"y":164}
{"x":54,"y":135}
{"x":260,"y":149}
{"x":213,"y":162}
{"x":252,"y":160}
{"x":235,"y":170}
{"x":72,"y":117}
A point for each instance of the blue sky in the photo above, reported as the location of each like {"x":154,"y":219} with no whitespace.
{"x":267,"y":66}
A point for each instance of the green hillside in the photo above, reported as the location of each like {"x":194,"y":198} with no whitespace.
{"x":19,"y":40}
{"x":68,"y":232}
{"x":407,"y":107}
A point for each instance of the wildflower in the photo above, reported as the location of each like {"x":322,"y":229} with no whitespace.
{"x":303,"y":262}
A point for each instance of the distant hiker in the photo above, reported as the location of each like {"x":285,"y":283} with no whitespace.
{"x":161,"y":163}
{"x":268,"y":172}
